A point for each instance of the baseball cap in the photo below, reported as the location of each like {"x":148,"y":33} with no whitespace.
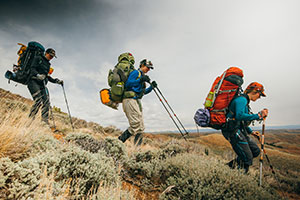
{"x":51,"y":52}
{"x":147,"y":63}
{"x":258,"y":87}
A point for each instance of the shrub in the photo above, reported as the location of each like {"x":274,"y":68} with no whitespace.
{"x":44,"y":143}
{"x":145,"y":167}
{"x":86,"y":169}
{"x":113,"y":147}
{"x":21,"y":178}
{"x":85,"y":172}
{"x":192,"y":177}
{"x":85,"y":141}
{"x":196,"y":178}
{"x":6,"y":166}
{"x":172,"y":150}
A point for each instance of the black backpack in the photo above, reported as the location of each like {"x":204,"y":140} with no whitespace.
{"x":20,"y":73}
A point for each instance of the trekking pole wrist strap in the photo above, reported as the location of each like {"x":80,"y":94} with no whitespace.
{"x":260,"y":115}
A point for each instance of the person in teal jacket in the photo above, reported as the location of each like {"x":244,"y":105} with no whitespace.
{"x":237,"y":129}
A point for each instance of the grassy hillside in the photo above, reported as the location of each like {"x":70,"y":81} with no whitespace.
{"x":91,"y":163}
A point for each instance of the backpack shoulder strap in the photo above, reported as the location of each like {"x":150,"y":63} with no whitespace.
{"x":246,"y":96}
{"x":238,"y":93}
{"x":140,"y":74}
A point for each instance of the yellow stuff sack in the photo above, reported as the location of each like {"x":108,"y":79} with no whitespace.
{"x":21,"y":52}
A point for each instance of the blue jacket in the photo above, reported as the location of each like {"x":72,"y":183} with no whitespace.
{"x":239,"y":110}
{"x":134,"y":84}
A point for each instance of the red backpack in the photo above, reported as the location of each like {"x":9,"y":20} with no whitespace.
{"x":223,"y":90}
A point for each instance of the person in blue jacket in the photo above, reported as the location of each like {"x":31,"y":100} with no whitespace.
{"x":237,"y":129}
{"x":136,"y":87}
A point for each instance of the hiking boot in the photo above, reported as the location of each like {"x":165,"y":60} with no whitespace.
{"x":246,"y":168}
{"x":53,"y":129}
{"x":45,"y":123}
{"x":124,"y":136}
{"x":138,"y":139}
{"x":232,"y":164}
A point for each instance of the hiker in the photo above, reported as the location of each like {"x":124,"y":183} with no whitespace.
{"x":237,"y":128}
{"x":38,"y":79}
{"x":132,"y":106}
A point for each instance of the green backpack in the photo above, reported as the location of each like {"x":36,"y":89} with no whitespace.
{"x":118,"y":76}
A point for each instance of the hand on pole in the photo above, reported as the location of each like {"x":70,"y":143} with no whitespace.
{"x":154,"y":84}
{"x":40,"y":77}
{"x":263,"y":113}
{"x":58,"y":81}
{"x":256,"y":134}
{"x":145,"y":78}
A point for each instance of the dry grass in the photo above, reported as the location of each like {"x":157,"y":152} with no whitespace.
{"x":131,"y":148}
{"x":17,"y":131}
{"x":45,"y":189}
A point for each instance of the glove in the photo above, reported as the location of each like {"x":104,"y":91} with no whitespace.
{"x":40,"y":77}
{"x":256,"y":134}
{"x":61,"y":82}
{"x":154,"y":84}
{"x":145,"y":78}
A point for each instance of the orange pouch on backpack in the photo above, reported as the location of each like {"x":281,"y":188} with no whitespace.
{"x":104,"y":96}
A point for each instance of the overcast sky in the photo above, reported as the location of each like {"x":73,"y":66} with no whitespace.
{"x":189,"y":42}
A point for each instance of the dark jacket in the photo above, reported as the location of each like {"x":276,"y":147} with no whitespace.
{"x":41,"y":65}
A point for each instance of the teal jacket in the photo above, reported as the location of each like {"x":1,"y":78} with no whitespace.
{"x":239,"y":109}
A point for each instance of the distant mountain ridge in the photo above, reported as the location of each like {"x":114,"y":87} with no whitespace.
{"x":257,"y":128}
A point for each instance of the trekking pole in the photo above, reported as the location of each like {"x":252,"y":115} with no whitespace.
{"x":262,"y":152}
{"x":62,"y":85}
{"x":265,"y":153}
{"x":197,"y":128}
{"x":271,"y":166}
{"x":169,"y":113}
{"x":171,"y":110}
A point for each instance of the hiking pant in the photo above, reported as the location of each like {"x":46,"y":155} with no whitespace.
{"x":245,"y":148}
{"x":134,"y":114}
{"x":40,"y":96}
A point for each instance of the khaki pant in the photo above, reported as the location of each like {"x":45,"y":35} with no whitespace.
{"x":134,"y":114}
